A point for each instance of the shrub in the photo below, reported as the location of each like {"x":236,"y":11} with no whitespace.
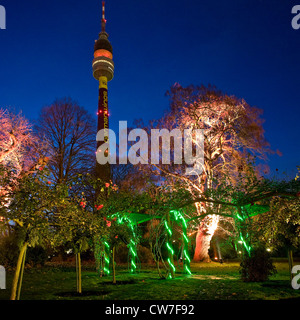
{"x":8,"y":251}
{"x":36,"y":256}
{"x":258,"y":267}
{"x":121,"y":253}
{"x":145,"y":255}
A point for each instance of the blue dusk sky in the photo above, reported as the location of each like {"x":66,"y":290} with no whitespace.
{"x":246,"y":48}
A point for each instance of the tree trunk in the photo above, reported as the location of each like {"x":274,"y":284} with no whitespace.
{"x":202,"y":245}
{"x":17,"y":272}
{"x":205,"y":233}
{"x":21,"y":274}
{"x":114,"y":269}
{"x":291,"y":262}
{"x":78,"y":273}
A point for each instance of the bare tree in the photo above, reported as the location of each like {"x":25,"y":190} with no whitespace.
{"x":71,"y":136}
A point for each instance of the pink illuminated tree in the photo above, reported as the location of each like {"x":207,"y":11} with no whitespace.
{"x":21,"y":152}
{"x":20,"y":149}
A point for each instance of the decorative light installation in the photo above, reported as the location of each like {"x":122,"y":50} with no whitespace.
{"x":241,"y":221}
{"x":106,"y":258}
{"x":185,"y":241}
{"x":133,"y":253}
{"x":132,"y":243}
{"x":169,"y":246}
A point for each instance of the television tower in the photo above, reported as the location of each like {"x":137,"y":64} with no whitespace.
{"x":103,"y":71}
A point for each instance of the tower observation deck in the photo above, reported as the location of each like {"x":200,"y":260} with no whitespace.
{"x":103,"y":71}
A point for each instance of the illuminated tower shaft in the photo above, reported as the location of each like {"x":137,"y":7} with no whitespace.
{"x":103,"y":71}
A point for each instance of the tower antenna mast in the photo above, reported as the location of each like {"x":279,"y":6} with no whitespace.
{"x":103,"y":20}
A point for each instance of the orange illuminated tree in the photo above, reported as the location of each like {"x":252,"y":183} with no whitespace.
{"x":233,"y":137}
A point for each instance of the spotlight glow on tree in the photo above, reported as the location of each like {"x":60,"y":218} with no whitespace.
{"x":233,"y":132}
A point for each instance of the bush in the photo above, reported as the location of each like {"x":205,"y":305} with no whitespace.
{"x":121,"y":255}
{"x":36,"y":256}
{"x":258,"y":267}
{"x":145,"y":255}
{"x":9,"y":251}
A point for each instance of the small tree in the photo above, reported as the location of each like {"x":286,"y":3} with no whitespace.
{"x":32,"y":205}
{"x":258,"y":266}
{"x":85,"y":226}
{"x":280,"y":227}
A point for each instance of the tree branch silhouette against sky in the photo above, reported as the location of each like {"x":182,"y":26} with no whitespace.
{"x":246,"y":48}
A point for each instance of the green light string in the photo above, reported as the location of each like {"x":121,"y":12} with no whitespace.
{"x":186,"y":258}
{"x":170,"y":248}
{"x":247,"y":247}
{"x":133,"y":253}
{"x":185,"y":238}
{"x":106,"y":258}
{"x":168,"y":229}
{"x":172,"y":265}
{"x":132,"y":244}
{"x":187,"y":270}
{"x":239,"y":217}
{"x":171,"y":251}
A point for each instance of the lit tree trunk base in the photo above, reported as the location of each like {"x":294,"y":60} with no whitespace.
{"x":21,"y":262}
{"x":205,"y":233}
{"x":202,"y":245}
{"x":78,"y":273}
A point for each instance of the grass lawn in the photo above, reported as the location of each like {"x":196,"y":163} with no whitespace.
{"x":210,"y":281}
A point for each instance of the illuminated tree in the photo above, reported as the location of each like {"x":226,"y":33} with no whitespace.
{"x":15,"y":136}
{"x":233,"y":135}
{"x":20,"y":149}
